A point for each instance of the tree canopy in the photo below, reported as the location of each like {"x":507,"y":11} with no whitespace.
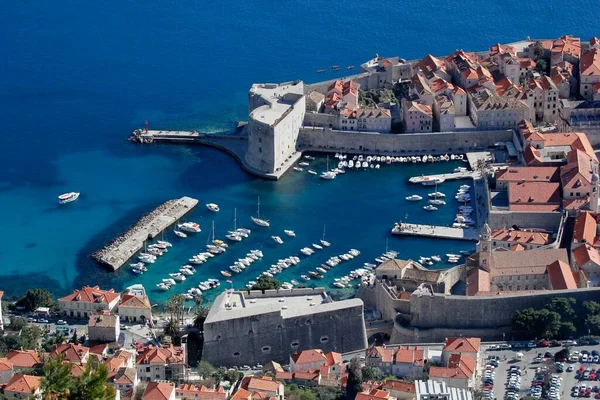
{"x":265,"y":283}
{"x":354,"y":382}
{"x":35,"y":298}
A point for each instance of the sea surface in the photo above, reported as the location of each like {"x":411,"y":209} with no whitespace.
{"x":76,"y":77}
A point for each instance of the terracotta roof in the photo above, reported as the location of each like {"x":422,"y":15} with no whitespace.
{"x":561,"y":276}
{"x":5,"y":365}
{"x":529,"y":174}
{"x":385,"y":354}
{"x":584,"y":254}
{"x":374,"y":394}
{"x":283,"y":375}
{"x":77,"y":370}
{"x":114,"y":363}
{"x":470,"y":345}
{"x":439,"y":85}
{"x":158,"y":391}
{"x":585,"y":228}
{"x":25,"y":384}
{"x":534,"y":207}
{"x":307,"y":375}
{"x":517,"y":247}
{"x":576,"y":204}
{"x":527,"y":63}
{"x":373,"y":113}
{"x":576,"y":175}
{"x":125,"y":376}
{"x":24,"y":358}
{"x":93,"y":294}
{"x":520,"y":236}
{"x":241,"y":394}
{"x":498,"y":48}
{"x":309,"y":356}
{"x":1,"y":294}
{"x":393,"y":265}
{"x":590,"y":63}
{"x":400,"y":386}
{"x":430,"y":64}
{"x":421,"y":275}
{"x":74,"y":353}
{"x":161,"y":355}
{"x":99,"y":349}
{"x":103,"y":320}
{"x":263,"y":383}
{"x":530,"y":262}
{"x":478,"y":280}
{"x":567,"y":44}
{"x":200,"y":392}
{"x":534,"y":193}
{"x":333,"y":358}
{"x":408,"y":355}
{"x":532,"y":156}
{"x":130,"y":300}
{"x":577,"y":141}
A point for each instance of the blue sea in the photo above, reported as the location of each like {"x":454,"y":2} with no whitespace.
{"x":76,"y":77}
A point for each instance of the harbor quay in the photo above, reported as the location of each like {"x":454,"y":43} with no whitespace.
{"x":444,"y":177}
{"x":433,"y":231}
{"x":121,"y":249}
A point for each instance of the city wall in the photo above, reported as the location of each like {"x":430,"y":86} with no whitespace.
{"x":542,"y":220}
{"x":318,"y":139}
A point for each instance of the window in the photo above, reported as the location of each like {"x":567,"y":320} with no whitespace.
{"x":259,"y":140}
{"x":147,"y":369}
{"x":250,"y":332}
{"x":236,"y":354}
{"x":324,"y":339}
{"x":260,"y":149}
{"x":266,"y":349}
{"x":295,"y":344}
{"x":308,"y":322}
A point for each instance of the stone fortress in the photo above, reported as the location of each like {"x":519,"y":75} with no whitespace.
{"x":250,"y":327}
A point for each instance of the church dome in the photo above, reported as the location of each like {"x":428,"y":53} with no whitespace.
{"x":595,"y":178}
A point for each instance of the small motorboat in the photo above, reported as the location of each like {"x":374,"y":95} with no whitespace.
{"x":320,"y":71}
{"x":321,"y":270}
{"x":179,"y":234}
{"x":213,"y":207}
{"x":339,"y":284}
{"x":298,"y":169}
{"x":325,"y":243}
{"x":277,"y":239}
{"x":164,"y":243}
{"x":315,"y":274}
{"x":309,"y":157}
{"x":303,"y":164}
{"x":137,"y":271}
{"x":305,"y":277}
{"x":436,"y":194}
{"x":163,"y":286}
{"x":137,"y":265}
{"x":68,"y":197}
{"x":430,"y":207}
{"x":178,"y":276}
{"x":317,"y":246}
{"x":414,"y":197}
{"x":189,"y":227}
{"x":290,"y":233}
{"x":312,"y":172}
{"x":436,"y":258}
{"x":437,"y":202}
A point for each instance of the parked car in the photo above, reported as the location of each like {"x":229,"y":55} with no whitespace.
{"x":61,"y":322}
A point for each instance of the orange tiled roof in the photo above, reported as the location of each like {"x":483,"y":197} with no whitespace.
{"x":91,"y":294}
{"x":517,"y":247}
{"x":201,"y":392}
{"x":385,"y":354}
{"x":5,"y":365}
{"x":585,"y":228}
{"x":130,"y":300}
{"x":161,"y":355}
{"x":576,"y":175}
{"x":533,"y":193}
{"x":478,"y":281}
{"x":24,"y":358}
{"x":158,"y":391}
{"x":375,"y":394}
{"x":470,"y":345}
{"x":590,"y":63}
{"x":410,"y":355}
{"x":309,"y":356}
{"x":25,"y":384}
{"x":520,"y":236}
{"x":74,"y":353}
{"x":561,"y":276}
{"x":241,"y":394}
{"x":263,"y":383}
{"x":584,"y":254}
{"x":400,"y":386}
{"x":567,"y":44}
{"x":531,"y":174}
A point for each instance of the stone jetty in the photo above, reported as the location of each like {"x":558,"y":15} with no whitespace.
{"x":433,"y":231}
{"x":121,"y":249}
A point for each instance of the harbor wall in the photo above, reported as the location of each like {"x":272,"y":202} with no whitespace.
{"x":542,"y":220}
{"x":318,"y":139}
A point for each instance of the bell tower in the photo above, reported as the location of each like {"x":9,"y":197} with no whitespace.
{"x":484,"y":247}
{"x":594,"y":204}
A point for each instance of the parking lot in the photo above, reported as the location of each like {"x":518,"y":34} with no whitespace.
{"x":526,"y":377}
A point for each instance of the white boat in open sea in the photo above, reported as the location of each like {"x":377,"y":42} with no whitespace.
{"x":277,"y":239}
{"x":213,"y":207}
{"x":257,"y":220}
{"x":429,"y":207}
{"x":68,"y":197}
{"x":414,"y":197}
{"x":290,"y":233}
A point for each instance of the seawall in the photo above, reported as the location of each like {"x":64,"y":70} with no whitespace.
{"x":319,"y":139}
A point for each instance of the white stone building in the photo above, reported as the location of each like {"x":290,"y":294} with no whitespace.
{"x":490,"y":111}
{"x":276,"y":115}
{"x":444,"y":114}
{"x":87,"y":301}
{"x":418,"y":118}
{"x":103,"y":327}
{"x":589,"y":75}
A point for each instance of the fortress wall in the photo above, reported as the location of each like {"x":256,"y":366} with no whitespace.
{"x":462,"y":313}
{"x":402,"y":334}
{"x":260,"y":339}
{"x":419,"y":143}
{"x":542,"y":220}
{"x":452,"y":276}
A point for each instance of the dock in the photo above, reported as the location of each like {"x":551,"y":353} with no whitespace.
{"x":433,"y":231}
{"x":447,"y":177}
{"x":122,"y":248}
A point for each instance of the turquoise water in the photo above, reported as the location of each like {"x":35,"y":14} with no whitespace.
{"x":78,"y":77}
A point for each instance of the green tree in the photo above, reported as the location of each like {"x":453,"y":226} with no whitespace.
{"x":541,"y":65}
{"x":354,"y":382}
{"x":30,"y":336}
{"x":200,"y":317}
{"x":57,"y":379}
{"x":530,"y":323}
{"x":205,"y":369}
{"x":8,"y":343}
{"x":538,"y":49}
{"x":265,"y":283}
{"x":92,"y":384}
{"x":591,"y":307}
{"x":593,"y":324}
{"x":171,"y":328}
{"x":233,"y":376}
{"x":175,"y":307}
{"x":17,"y":323}
{"x":564,"y":353}
{"x":35,"y":298}
{"x":372,"y":373}
{"x":564,"y":307}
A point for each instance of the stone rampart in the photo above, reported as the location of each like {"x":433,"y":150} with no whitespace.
{"x":542,"y":220}
{"x":318,"y":139}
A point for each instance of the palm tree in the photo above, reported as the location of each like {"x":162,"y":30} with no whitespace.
{"x":57,"y":379}
{"x":175,"y":307}
{"x":171,"y":328}
{"x":201,"y":314}
{"x":198,"y":302}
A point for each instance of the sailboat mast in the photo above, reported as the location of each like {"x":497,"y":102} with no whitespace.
{"x":323,"y":232}
{"x":235,"y":219}
{"x":258,"y":208}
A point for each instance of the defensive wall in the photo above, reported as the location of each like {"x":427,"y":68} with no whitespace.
{"x":319,"y":139}
{"x":542,"y":220}
{"x":438,"y":316}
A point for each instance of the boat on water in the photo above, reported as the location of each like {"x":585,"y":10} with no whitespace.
{"x":309,"y":157}
{"x":179,"y":234}
{"x":257,"y":220}
{"x":315,"y":274}
{"x":436,"y":194}
{"x":414,"y":197}
{"x":465,"y":252}
{"x":164,"y":243}
{"x":290,"y":233}
{"x":321,"y":270}
{"x":328,"y":174}
{"x":137,"y":265}
{"x":450,"y":255}
{"x":213,"y":207}
{"x":430,"y":207}
{"x":298,"y":169}
{"x":312,"y":172}
{"x":437,"y":202}
{"x":339,"y":284}
{"x":431,"y":182}
{"x":163,"y":286}
{"x":277,"y":239}
{"x":305,"y":277}
{"x":178,"y":276}
{"x":436,"y":258}
{"x":317,"y":246}
{"x":189,"y":227}
{"x":303,"y":164}
{"x":323,"y":241}
{"x":137,"y":271}
{"x":234,"y":237}
{"x":306,"y":251}
{"x":68,"y":197}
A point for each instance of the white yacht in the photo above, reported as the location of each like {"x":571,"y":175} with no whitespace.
{"x":164,"y":243}
{"x":437,"y":202}
{"x":234,"y":237}
{"x":163,"y":286}
{"x":169,"y":281}
{"x":323,"y":241}
{"x":178,"y":276}
{"x":414,"y":197}
{"x":68,"y":197}
{"x":257,"y":220}
{"x":298,"y":169}
{"x":290,"y":233}
{"x":339,"y":284}
{"x":429,"y":207}
{"x":329,"y":175}
{"x":317,"y":246}
{"x":277,"y":239}
{"x":303,"y":164}
{"x":431,"y":182}
{"x":189,"y":227}
{"x":436,"y":194}
{"x":179,"y":234}
{"x":213,"y":207}
{"x":312,"y":172}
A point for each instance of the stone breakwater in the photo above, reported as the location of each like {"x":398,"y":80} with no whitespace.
{"x":122,"y":248}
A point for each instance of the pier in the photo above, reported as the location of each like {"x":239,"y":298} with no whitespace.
{"x":433,"y":231}
{"x":447,"y":177}
{"x":122,"y":248}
